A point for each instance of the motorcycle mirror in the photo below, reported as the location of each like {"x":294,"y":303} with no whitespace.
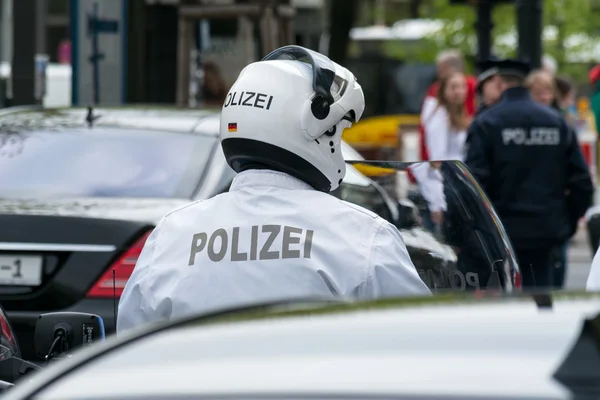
{"x":60,"y":332}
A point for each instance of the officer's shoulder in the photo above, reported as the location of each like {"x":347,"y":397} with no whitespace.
{"x":486,"y":114}
{"x":355,"y":208}
{"x":192,"y":206}
{"x":484,"y":109}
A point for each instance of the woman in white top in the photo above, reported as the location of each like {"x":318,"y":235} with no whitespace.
{"x":445,"y":122}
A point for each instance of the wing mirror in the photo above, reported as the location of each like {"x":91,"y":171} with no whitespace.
{"x":56,"y":334}
{"x":408,"y":217}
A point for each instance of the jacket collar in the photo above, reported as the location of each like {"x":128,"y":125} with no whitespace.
{"x":516,"y":93}
{"x":263,"y":177}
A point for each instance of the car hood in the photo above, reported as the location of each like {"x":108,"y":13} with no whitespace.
{"x":130,"y":209}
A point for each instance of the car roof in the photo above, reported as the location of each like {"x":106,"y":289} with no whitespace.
{"x":508,"y":347}
{"x":172,"y":119}
{"x":169,"y":119}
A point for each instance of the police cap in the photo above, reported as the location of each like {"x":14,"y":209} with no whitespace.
{"x":513,"y":67}
{"x":487,"y":69}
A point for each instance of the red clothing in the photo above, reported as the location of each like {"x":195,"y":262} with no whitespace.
{"x":470,"y":103}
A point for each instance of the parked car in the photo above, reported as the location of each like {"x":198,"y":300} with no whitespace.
{"x":445,"y":347}
{"x":81,"y":190}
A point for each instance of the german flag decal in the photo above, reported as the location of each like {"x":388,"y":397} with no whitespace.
{"x":232,"y":127}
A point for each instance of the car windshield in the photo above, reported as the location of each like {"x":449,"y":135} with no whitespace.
{"x":463,"y":247}
{"x":102,"y":162}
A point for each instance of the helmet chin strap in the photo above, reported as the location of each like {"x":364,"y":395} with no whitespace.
{"x":257,"y":165}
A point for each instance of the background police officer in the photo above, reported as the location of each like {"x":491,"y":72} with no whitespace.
{"x":530,"y":164}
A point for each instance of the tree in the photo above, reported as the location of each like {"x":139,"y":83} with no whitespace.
{"x":570,"y":30}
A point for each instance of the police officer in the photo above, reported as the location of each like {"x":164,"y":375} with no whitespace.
{"x":488,"y":84}
{"x":526,"y":158}
{"x":277,"y":233}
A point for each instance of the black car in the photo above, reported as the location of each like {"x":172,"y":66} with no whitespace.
{"x":80,"y":193}
{"x":81,"y":190}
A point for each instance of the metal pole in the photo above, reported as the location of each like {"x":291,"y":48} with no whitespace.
{"x":530,"y":28}
{"x":40,"y":21}
{"x":24,"y":48}
{"x":484,"y":27}
{"x":95,"y":58}
{"x":183,"y":61}
{"x":40,"y":47}
{"x":380,"y":12}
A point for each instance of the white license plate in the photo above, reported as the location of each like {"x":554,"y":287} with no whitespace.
{"x":16,"y":270}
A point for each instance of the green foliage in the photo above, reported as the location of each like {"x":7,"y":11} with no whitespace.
{"x":570,"y":19}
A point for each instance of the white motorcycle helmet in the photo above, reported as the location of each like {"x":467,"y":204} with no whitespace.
{"x":287,"y":112}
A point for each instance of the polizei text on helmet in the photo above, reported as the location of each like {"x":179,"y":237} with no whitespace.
{"x":249,"y":99}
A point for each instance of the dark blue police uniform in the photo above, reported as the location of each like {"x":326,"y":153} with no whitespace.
{"x":530,"y":164}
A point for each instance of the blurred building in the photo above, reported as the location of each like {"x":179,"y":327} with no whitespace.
{"x":153,"y":41}
{"x":151,"y":38}
{"x":53,"y":15}
{"x":310,"y":22}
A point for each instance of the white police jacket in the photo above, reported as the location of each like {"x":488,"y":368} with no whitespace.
{"x":271,"y":237}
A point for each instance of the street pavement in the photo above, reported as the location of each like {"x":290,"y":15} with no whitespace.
{"x":580,"y":259}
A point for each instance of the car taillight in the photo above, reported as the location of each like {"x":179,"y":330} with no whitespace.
{"x":7,"y":336}
{"x":517,"y":279}
{"x":109,"y":285}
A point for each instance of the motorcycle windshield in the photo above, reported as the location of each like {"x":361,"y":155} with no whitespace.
{"x":450,"y":228}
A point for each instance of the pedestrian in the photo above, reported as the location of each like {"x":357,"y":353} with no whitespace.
{"x":555,"y":92}
{"x":445,"y":123}
{"x":277,"y":233}
{"x":526,"y":158}
{"x":447,"y":62}
{"x":565,"y":92}
{"x":542,"y":87}
{"x":558,"y":93}
{"x":488,"y":84}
